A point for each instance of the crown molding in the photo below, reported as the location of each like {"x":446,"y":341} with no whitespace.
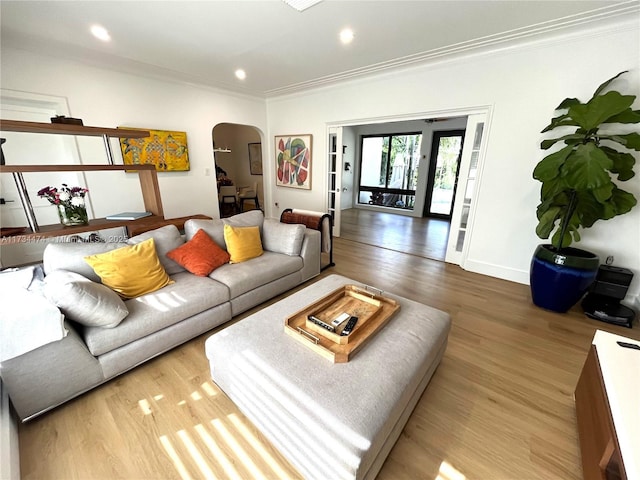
{"x":604,"y":20}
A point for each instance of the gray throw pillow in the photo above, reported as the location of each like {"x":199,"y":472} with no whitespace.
{"x":214,"y":228}
{"x":166,"y":239}
{"x":83,"y":301}
{"x":282,"y":237}
{"x":70,"y":256}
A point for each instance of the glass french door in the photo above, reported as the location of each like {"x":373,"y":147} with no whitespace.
{"x":444,"y":164}
{"x":461,"y":218}
{"x":334,"y":181}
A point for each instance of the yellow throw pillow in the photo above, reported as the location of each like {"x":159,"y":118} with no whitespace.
{"x":131,"y":271}
{"x":243,"y":243}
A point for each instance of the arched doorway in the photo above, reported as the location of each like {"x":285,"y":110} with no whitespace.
{"x":238,"y":155}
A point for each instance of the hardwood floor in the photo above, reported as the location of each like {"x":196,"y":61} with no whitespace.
{"x":424,"y":237}
{"x":500,"y":405}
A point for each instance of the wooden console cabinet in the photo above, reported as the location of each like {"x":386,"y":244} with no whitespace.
{"x":607,"y":399}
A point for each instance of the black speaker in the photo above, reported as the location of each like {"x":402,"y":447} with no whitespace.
{"x":603,"y":300}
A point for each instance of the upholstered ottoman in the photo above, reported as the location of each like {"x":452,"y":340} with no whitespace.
{"x":331,"y":421}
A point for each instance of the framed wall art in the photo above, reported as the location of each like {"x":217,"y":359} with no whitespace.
{"x":293,"y":161}
{"x":165,"y":149}
{"x":255,"y":158}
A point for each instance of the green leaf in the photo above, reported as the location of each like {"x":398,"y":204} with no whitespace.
{"x":602,"y":194}
{"x":576,"y":235}
{"x":546,"y":144}
{"x":568,"y":102}
{"x":586,"y":168}
{"x":552,"y":188}
{"x":623,"y":201}
{"x":547,"y":223}
{"x":566,"y":241}
{"x":623,"y":163}
{"x":600,"y":108}
{"x":549,"y":166}
{"x":629,"y":140}
{"x":606,"y":84}
{"x":561,"y":121}
{"x":628,"y":116}
{"x":588,"y":209}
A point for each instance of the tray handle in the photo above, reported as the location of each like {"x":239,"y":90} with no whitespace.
{"x":308,"y":336}
{"x":369,"y":290}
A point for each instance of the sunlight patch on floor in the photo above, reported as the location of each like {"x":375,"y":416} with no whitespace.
{"x":195,"y":454}
{"x":175,"y":458}
{"x":237,"y":449}
{"x":257,"y":445}
{"x":209,"y":389}
{"x":145,"y":406}
{"x":448,"y":472}
{"x":220,"y":457}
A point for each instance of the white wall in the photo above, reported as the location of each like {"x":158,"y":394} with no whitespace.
{"x":522,"y":85}
{"x":109,"y":99}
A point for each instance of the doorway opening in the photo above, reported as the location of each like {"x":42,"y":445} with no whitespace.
{"x":238,"y":162}
{"x":444,"y":167}
{"x":424,"y":207}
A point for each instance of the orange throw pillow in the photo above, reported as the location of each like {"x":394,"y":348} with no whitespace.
{"x":200,"y":255}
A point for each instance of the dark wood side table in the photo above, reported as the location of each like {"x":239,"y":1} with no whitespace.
{"x":607,"y":399}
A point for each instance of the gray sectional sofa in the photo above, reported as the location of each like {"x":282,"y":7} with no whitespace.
{"x":90,"y":354}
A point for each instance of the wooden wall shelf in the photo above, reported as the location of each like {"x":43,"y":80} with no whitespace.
{"x":148,"y":184}
{"x":67,"y":129}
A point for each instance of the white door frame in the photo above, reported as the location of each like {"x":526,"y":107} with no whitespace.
{"x":487,"y":110}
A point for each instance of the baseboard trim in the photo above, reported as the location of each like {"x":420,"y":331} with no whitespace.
{"x":497,"y":271}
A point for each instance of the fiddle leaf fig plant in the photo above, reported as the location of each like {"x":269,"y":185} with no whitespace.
{"x":578,"y":186}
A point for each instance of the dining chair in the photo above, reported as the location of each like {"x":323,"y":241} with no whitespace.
{"x":249,"y":193}
{"x":228,"y":199}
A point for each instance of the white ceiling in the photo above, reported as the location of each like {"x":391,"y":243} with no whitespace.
{"x":281,"y":49}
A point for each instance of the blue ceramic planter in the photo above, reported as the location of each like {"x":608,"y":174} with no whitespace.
{"x":560,"y":279}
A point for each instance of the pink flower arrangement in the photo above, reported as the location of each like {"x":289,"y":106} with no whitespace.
{"x":68,"y":197}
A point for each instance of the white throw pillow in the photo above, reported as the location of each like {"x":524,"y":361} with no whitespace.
{"x":83,"y":301}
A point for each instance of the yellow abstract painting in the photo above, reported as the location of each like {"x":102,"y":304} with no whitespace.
{"x":165,"y":149}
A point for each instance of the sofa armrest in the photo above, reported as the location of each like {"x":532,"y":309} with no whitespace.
{"x":310,"y":254}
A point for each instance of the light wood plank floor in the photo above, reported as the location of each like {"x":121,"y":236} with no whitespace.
{"x":500,"y":405}
{"x":424,"y":237}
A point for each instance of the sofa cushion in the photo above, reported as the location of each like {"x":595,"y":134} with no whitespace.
{"x":243,"y":277}
{"x":215,"y":228}
{"x":189,"y":295}
{"x":282,"y":237}
{"x":252,"y":218}
{"x":70,"y":256}
{"x":84,"y":301}
{"x":166,"y":238}
{"x":131,"y":271}
{"x":200,"y":255}
{"x":243,"y":243}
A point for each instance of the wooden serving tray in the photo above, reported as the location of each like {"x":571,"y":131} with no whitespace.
{"x":372,"y":309}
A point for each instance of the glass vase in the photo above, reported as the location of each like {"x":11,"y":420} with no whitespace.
{"x":71,"y":215}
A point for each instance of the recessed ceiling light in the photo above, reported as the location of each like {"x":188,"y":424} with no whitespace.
{"x":346,"y":36}
{"x":100,"y":33}
{"x":241,"y":74}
